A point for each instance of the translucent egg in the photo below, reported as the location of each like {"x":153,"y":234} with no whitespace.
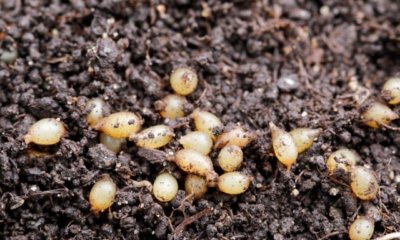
{"x":153,"y":137}
{"x":47,"y":131}
{"x":230,"y":158}
{"x":102,"y":194}
{"x":183,"y":81}
{"x":233,"y":183}
{"x":120,"y":124}
{"x":165,"y":187}
{"x":199,"y":141}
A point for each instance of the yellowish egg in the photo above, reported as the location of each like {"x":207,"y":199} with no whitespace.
{"x":233,"y":183}
{"x":284,"y":146}
{"x":195,"y":185}
{"x":206,"y":122}
{"x":230,"y":158}
{"x":47,"y":131}
{"x":102,"y":194}
{"x":362,"y":229}
{"x":95,"y":111}
{"x":183,"y":81}
{"x":304,"y":137}
{"x":196,"y":163}
{"x":237,"y":136}
{"x":364,"y":183}
{"x":173,"y":106}
{"x":391,"y":91}
{"x":120,"y":124}
{"x":198,"y":141}
{"x":153,"y":137}
{"x":114,"y":144}
{"x":377,"y":114}
{"x":165,"y":187}
{"x":342,"y":159}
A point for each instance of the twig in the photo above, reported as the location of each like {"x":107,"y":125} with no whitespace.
{"x":49,"y":192}
{"x":62,"y":59}
{"x":17,"y":8}
{"x":390,"y":127}
{"x":330,"y":235}
{"x":140,"y":184}
{"x":395,"y":235}
{"x":190,"y":220}
{"x":181,"y":206}
{"x":298,"y":177}
{"x":333,"y":179}
{"x":206,"y":87}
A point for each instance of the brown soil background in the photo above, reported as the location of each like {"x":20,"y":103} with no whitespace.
{"x":337,"y":52}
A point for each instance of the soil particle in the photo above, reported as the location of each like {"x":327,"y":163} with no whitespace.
{"x":102,"y":157}
{"x":288,"y":83}
{"x":8,"y":172}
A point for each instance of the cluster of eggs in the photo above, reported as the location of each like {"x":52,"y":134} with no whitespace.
{"x":194,"y":158}
{"x":376,"y":113}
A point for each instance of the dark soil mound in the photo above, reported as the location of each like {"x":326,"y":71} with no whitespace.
{"x":296,"y":63}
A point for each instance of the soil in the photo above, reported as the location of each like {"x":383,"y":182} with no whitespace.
{"x":296,"y":63}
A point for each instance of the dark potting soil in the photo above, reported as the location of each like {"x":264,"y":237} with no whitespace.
{"x":296,"y":63}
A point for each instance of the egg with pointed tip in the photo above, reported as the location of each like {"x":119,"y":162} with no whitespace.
{"x":120,"y":124}
{"x":364,"y":183}
{"x":377,"y":114}
{"x":391,"y":91}
{"x":284,"y":146}
{"x":153,"y":137}
{"x":304,"y":138}
{"x":198,"y":141}
{"x":206,"y":122}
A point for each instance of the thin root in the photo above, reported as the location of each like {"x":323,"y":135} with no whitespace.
{"x":395,"y":235}
{"x":330,"y":235}
{"x":144,"y":183}
{"x":390,"y":127}
{"x":190,"y":220}
{"x":49,"y":192}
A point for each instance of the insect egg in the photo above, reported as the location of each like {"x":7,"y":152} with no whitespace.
{"x":376,"y":114}
{"x":95,"y":111}
{"x":364,"y":183}
{"x":195,"y":185}
{"x":284,"y":146}
{"x":198,"y":141}
{"x":47,"y":131}
{"x":361,"y":229}
{"x":233,"y":183}
{"x":230,"y":158}
{"x":165,"y":187}
{"x":102,"y":194}
{"x":206,"y":122}
{"x":153,"y":137}
{"x":391,"y":91}
{"x":183,"y":80}
{"x":120,"y":124}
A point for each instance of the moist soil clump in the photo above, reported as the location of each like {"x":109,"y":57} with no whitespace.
{"x":295,"y":63}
